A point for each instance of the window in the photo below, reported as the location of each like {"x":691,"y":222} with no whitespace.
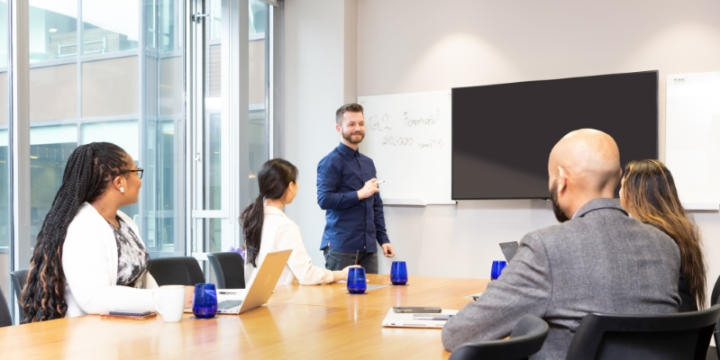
{"x":217,"y":169}
{"x":106,"y":70}
{"x":53,"y":30}
{"x":124,"y":88}
{"x":109,"y":26}
{"x":5,"y":263}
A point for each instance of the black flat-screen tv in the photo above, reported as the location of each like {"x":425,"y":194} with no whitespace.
{"x":502,"y":134}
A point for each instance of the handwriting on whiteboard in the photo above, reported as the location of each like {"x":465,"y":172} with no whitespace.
{"x":401,"y":136}
{"x":427,"y":120}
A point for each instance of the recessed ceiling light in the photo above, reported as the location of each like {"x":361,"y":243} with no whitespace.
{"x":52,"y":30}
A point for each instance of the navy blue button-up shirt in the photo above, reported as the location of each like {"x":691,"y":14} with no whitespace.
{"x":351,"y":224}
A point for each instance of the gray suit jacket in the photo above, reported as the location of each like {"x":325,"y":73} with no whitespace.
{"x":601,"y":261}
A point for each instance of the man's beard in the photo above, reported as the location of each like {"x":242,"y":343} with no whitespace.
{"x":559,"y":214}
{"x":349,"y":138}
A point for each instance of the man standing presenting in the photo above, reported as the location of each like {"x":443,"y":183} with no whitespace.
{"x":348,"y":191}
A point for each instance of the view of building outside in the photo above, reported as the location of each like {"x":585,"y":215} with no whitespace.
{"x":102,"y":71}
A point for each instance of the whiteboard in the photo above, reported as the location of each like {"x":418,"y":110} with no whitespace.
{"x":693,"y":138}
{"x":408,"y":138}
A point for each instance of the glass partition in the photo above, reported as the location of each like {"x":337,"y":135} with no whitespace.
{"x":5,"y":254}
{"x":162,"y":150}
{"x":257,"y":135}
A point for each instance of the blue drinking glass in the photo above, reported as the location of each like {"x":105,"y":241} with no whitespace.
{"x":497,"y":268}
{"x":398,"y":273}
{"x":205,"y":301}
{"x":356,"y":283}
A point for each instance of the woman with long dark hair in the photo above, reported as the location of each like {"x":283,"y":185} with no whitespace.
{"x":266,"y":228}
{"x":648,"y":193}
{"x":89,"y":258}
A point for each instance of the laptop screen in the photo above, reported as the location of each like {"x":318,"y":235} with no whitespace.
{"x":509,"y":249}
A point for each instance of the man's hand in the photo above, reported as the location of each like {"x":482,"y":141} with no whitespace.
{"x":388,"y":250}
{"x":369,"y":189}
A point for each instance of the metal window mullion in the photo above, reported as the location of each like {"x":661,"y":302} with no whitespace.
{"x":195,"y":46}
{"x":277,"y":39}
{"x":189,"y":100}
{"x":142,"y":139}
{"x":19,"y":142}
{"x":268,"y":82}
{"x":235,"y":99}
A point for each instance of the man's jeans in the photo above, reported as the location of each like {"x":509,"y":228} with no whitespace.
{"x":335,"y":260}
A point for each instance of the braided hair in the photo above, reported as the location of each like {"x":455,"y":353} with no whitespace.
{"x":88,"y":172}
{"x":274,"y":178}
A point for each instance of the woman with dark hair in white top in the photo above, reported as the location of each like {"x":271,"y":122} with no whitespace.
{"x":266,"y":227}
{"x":89,"y":258}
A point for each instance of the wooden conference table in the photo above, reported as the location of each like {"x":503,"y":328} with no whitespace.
{"x":298,"y":322}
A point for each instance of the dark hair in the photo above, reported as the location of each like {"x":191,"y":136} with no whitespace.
{"x":274,"y":178}
{"x":352,"y":107}
{"x":88,"y":172}
{"x":649,"y":194}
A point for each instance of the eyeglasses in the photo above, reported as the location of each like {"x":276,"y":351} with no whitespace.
{"x":139,"y":172}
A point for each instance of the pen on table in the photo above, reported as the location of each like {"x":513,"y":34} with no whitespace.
{"x":357,"y":257}
{"x":379,"y":181}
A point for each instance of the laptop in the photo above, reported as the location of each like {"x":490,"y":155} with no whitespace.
{"x":262,"y":284}
{"x":410,"y":320}
{"x":509,"y":249}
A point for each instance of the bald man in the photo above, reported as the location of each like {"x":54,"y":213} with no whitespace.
{"x":597,"y":260}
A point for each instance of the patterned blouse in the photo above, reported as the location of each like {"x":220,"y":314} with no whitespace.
{"x":132,"y":257}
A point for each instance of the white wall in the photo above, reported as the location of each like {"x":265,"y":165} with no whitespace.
{"x":320,"y":67}
{"x":424,"y":45}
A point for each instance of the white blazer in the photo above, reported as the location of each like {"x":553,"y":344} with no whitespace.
{"x":90,"y":263}
{"x":281,"y":233}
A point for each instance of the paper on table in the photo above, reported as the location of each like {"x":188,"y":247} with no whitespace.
{"x":373,"y":287}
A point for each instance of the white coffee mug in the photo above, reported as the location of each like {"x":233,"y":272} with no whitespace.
{"x":171,"y":303}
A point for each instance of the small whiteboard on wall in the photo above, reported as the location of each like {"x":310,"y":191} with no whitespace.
{"x":408,"y":138}
{"x":693,"y":138}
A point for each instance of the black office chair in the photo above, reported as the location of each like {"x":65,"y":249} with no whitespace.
{"x":19,"y":278}
{"x":176,"y":271}
{"x":526,"y":339}
{"x":663,"y":337}
{"x":5,"y":319}
{"x":229,"y":268}
{"x":714,"y":351}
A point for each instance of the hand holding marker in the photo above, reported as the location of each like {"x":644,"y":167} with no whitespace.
{"x":370,"y":188}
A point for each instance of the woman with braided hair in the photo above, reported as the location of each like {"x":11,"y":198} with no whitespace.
{"x":89,"y":258}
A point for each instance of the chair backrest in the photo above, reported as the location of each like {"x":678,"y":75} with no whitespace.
{"x":176,"y":271}
{"x":714,"y":300}
{"x":5,"y":319}
{"x":229,"y":268}
{"x":19,"y":278}
{"x":715,"y":297}
{"x":671,"y":336}
{"x":526,"y":339}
